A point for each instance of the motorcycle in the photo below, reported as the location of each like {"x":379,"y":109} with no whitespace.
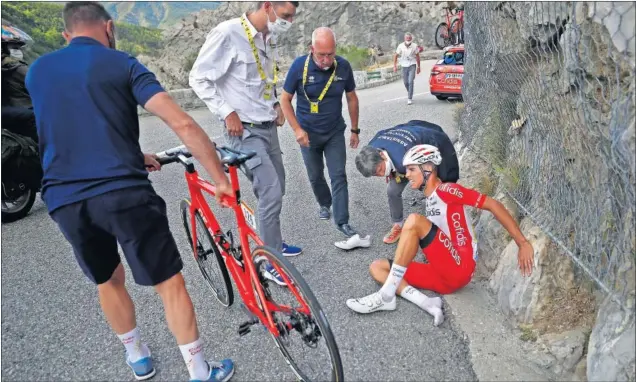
{"x":21,"y":168}
{"x":21,"y":175}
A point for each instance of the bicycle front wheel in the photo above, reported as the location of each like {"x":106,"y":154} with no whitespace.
{"x":207,"y":255}
{"x":302,"y":324}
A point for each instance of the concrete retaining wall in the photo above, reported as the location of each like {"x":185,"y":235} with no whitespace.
{"x":187,"y":99}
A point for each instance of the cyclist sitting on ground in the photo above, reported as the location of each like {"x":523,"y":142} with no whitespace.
{"x":445,"y":236}
{"x":382,"y":157}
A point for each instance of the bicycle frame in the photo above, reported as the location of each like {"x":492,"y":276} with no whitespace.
{"x":244,"y":275}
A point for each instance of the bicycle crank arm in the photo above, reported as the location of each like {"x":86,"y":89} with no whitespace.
{"x":245,"y":327}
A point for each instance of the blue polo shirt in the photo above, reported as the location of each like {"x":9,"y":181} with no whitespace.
{"x":85,"y":99}
{"x":397,"y":140}
{"x":329,"y":116}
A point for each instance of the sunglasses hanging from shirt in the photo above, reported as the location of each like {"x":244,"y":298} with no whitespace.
{"x":259,"y":66}
{"x":313,"y":106}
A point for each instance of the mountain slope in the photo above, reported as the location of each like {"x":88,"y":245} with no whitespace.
{"x":43,"y":22}
{"x":158,"y":14}
{"x":356,"y":24}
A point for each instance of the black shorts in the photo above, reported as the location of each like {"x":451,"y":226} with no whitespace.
{"x":136,"y":218}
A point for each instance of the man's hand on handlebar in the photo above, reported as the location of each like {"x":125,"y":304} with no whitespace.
{"x":150,"y":162}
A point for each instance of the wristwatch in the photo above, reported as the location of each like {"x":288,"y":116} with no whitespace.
{"x":355,"y":131}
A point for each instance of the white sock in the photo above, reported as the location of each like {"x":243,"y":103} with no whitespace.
{"x":431,"y":305}
{"x":195,"y":362}
{"x":133,"y":345}
{"x":392,"y":282}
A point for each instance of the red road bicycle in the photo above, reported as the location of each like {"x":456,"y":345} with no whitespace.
{"x":305,"y":322}
{"x":445,"y":36}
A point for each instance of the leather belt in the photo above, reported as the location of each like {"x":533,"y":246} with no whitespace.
{"x":259,"y":125}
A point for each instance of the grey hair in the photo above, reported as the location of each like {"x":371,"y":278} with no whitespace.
{"x":408,"y":34}
{"x":368,"y":160}
{"x":314,"y":34}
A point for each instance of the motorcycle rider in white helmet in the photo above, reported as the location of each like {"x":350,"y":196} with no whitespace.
{"x":445,"y":235}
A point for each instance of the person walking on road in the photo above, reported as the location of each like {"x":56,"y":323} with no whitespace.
{"x":382,"y":157}
{"x":235,"y":74}
{"x":96,"y":185}
{"x":409,"y":59}
{"x":320,"y":78}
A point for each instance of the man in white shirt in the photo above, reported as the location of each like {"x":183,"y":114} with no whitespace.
{"x":409,"y":56}
{"x":235,"y":76}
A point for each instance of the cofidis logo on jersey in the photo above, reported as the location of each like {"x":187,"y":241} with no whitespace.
{"x":446,"y":242}
{"x":460,"y":231}
{"x":449,"y":188}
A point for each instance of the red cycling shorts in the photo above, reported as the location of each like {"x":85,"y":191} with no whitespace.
{"x":447,"y":270}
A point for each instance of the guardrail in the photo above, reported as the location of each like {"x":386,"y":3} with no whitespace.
{"x":187,"y":99}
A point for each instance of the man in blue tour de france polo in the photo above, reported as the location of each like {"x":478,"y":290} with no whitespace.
{"x":320,"y":78}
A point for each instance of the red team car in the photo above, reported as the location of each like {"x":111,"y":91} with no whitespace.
{"x":447,"y":73}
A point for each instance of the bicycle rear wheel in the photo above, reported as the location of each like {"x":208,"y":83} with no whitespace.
{"x":208,"y":257}
{"x":457,"y":31}
{"x":442,"y":36}
{"x":299,"y":319}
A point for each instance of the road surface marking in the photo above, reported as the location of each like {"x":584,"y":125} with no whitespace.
{"x":395,"y":99}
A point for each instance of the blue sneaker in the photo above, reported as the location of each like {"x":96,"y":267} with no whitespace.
{"x":272,"y":274}
{"x":143,"y":368}
{"x":290,"y":250}
{"x":219,"y":371}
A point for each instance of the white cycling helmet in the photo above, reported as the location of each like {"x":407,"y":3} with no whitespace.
{"x":421,"y":154}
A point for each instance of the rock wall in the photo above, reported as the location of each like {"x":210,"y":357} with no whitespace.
{"x":361,"y":24}
{"x":548,"y":129}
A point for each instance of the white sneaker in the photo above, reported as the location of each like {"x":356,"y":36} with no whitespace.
{"x":354,"y":241}
{"x":371,"y":303}
{"x":409,"y":102}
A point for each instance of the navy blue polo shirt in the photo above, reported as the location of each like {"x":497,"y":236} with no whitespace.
{"x":85,"y":99}
{"x":329,"y":116}
{"x":397,"y":140}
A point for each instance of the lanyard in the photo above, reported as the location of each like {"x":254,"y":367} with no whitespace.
{"x":259,"y":66}
{"x":314,"y":105}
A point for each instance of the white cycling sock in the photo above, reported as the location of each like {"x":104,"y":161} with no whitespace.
{"x":392,"y":282}
{"x":133,"y":345}
{"x":431,"y":305}
{"x":195,"y":362}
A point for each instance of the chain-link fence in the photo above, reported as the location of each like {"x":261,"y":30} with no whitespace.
{"x":549,"y":104}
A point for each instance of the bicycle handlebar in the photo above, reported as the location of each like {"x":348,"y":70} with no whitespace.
{"x":229,"y":156}
{"x":172,"y":155}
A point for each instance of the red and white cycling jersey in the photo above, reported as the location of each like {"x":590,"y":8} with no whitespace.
{"x":446,"y":208}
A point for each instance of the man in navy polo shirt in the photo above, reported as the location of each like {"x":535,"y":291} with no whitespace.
{"x":320,"y":79}
{"x":382,"y":157}
{"x":96,"y":186}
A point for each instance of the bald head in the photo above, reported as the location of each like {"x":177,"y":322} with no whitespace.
{"x":323,"y":35}
{"x":323,"y":47}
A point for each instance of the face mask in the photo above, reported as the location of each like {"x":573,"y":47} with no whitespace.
{"x":16,"y":53}
{"x":387,"y":168}
{"x":279,"y":26}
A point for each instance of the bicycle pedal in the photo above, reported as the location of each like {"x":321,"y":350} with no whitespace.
{"x":246,"y":327}
{"x":244,"y":330}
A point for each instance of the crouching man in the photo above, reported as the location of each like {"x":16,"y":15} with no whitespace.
{"x":383,"y":158}
{"x":445,"y":236}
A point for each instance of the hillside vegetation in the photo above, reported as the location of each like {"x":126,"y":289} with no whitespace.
{"x":157,"y":14}
{"x":43,"y":22}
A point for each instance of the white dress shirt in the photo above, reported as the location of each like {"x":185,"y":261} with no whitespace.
{"x":406,"y":54}
{"x":225,"y":74}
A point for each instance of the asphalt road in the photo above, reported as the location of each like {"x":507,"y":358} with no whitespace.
{"x":53,"y":328}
